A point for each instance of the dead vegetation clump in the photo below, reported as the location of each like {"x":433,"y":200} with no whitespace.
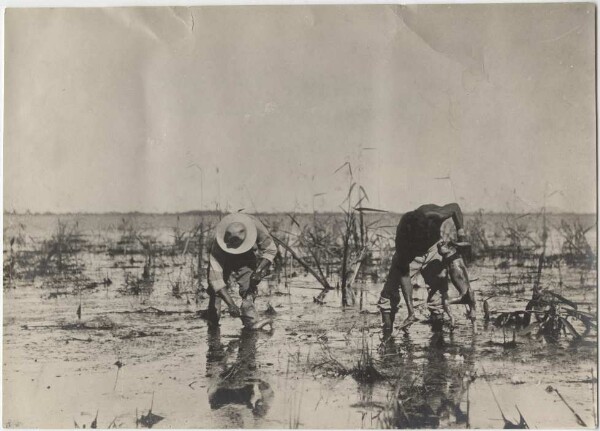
{"x":364,"y":371}
{"x":138,"y":285}
{"x":9,"y":264}
{"x":475,"y":229}
{"x":127,"y":243}
{"x":327,"y":364}
{"x":576,"y":250}
{"x":58,"y":255}
{"x":520,"y":238}
{"x":337,"y":252}
{"x":96,"y":323}
{"x":54,"y":259}
{"x":548,"y":315}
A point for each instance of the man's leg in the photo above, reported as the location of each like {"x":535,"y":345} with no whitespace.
{"x":460,"y":280}
{"x":214,"y":307}
{"x":436,"y":277}
{"x":390,"y":297}
{"x":459,"y":276}
{"x":214,"y":301}
{"x":248,"y":293}
{"x":441,"y":286}
{"x":433,"y":312}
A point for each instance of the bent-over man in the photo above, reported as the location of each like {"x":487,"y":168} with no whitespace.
{"x":242,"y":252}
{"x":419,"y":247}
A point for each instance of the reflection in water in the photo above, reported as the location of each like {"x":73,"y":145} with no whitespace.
{"x":429,"y":389}
{"x":237,"y":383}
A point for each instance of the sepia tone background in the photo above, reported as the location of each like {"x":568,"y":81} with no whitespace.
{"x":116,"y":116}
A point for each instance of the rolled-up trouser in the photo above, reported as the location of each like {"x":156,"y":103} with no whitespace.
{"x":430,"y":266}
{"x":241,"y":276}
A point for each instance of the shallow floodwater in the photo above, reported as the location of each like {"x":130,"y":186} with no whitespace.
{"x":125,"y":357}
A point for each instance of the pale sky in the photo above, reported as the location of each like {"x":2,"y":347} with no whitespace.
{"x":174,"y":109}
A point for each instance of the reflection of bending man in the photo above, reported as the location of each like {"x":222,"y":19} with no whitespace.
{"x":242,"y":252}
{"x":237,"y":383}
{"x":419,"y":248}
{"x":434,"y":400}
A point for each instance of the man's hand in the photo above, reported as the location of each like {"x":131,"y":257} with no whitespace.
{"x":234,"y":311}
{"x":256,"y":277}
{"x":461,"y":245}
{"x":260,"y":271}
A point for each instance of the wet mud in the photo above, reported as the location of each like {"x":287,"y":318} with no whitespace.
{"x":150,"y":359}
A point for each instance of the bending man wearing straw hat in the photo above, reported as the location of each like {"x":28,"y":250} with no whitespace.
{"x":420,"y":248}
{"x":242,"y":252}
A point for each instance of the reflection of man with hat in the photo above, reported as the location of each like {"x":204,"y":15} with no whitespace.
{"x":242,"y":252}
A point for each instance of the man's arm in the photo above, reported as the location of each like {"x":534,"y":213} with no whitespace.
{"x":216,"y":281}
{"x":407,"y":289}
{"x":266,"y":246}
{"x":267,"y":250}
{"x":215,"y":269}
{"x":403,"y":265}
{"x":443,"y":213}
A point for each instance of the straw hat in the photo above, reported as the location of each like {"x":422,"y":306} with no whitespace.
{"x":236,"y":233}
